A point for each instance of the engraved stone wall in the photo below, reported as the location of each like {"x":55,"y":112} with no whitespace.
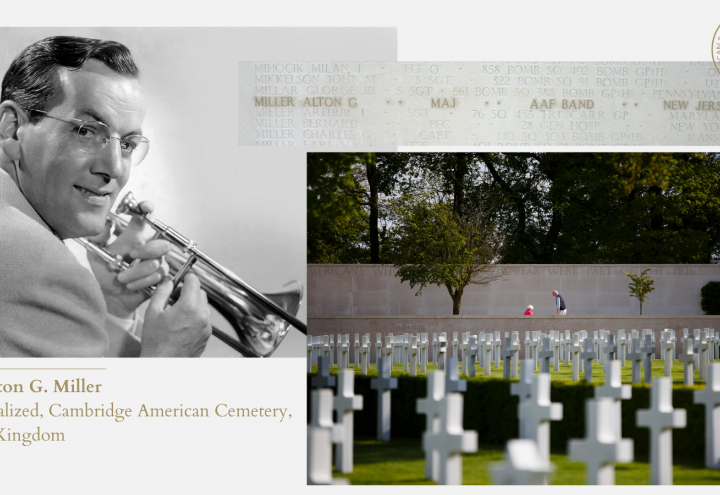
{"x":364,"y":290}
{"x":321,"y":104}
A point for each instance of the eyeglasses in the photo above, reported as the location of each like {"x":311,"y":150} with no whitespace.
{"x":92,"y":136}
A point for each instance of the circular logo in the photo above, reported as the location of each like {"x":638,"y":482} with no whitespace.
{"x":715,"y":49}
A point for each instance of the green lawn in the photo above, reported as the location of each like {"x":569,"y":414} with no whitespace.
{"x":402,"y":461}
{"x":563,"y":374}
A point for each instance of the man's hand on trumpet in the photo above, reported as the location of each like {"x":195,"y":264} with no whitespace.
{"x":123,"y":291}
{"x":180,"y":330}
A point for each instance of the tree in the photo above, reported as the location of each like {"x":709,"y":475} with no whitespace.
{"x":348,"y":190}
{"x":606,"y":207}
{"x":640,"y":286}
{"x":336,"y":222}
{"x":433,"y":245}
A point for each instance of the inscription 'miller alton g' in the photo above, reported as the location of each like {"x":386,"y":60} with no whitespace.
{"x":479,"y":103}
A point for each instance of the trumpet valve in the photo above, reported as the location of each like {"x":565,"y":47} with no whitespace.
{"x":129,"y":206}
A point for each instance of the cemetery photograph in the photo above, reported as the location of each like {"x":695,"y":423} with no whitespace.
{"x":513,"y":318}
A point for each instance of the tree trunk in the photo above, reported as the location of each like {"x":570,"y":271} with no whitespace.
{"x":456,"y":305}
{"x":371,"y":168}
{"x":461,"y":170}
{"x":640,"y":308}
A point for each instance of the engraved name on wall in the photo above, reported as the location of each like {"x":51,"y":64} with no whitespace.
{"x":320,"y":104}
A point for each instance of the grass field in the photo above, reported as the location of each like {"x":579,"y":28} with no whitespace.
{"x":402,"y":461}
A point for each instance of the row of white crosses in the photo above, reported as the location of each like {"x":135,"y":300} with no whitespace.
{"x":603,"y":445}
{"x":440,"y":348}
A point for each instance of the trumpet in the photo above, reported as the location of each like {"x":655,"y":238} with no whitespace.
{"x":261,"y":321}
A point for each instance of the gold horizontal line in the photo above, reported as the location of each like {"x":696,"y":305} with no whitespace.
{"x":68,"y":369}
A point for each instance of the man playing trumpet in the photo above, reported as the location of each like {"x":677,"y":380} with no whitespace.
{"x":71,"y":114}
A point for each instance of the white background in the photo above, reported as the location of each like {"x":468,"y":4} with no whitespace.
{"x":185,"y":457}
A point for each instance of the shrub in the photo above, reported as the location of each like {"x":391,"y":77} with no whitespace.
{"x":710,"y":302}
{"x":490,"y":410}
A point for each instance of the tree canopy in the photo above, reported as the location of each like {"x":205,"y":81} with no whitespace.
{"x":548,"y":207}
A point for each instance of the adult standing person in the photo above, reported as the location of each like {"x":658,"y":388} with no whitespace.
{"x":71,"y":113}
{"x":559,"y":303}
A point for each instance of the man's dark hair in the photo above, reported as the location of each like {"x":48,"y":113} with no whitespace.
{"x":32,"y":79}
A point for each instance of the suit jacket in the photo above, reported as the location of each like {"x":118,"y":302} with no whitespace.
{"x":49,"y":304}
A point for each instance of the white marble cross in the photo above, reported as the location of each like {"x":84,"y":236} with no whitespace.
{"x":384,"y":384}
{"x":523,"y":465}
{"x":413,"y":355}
{"x":326,"y":348}
{"x":463,"y":352}
{"x":378,"y":349}
{"x":636,"y":358}
{"x":481,"y":358}
{"x":435,"y":348}
{"x":356,"y":346}
{"x":507,"y":357}
{"x":631,"y":341}
{"x":596,"y":344}
{"x":472,"y":355}
{"x":364,"y":350}
{"x":332,"y":350}
{"x":614,"y":389}
{"x":343,"y":353}
{"x":455,"y":344}
{"x":496,"y":351}
{"x":310,"y":349}
{"x":648,"y":350}
{"x":610,"y":349}
{"x":703,"y":347}
{"x":661,"y":418}
{"x":430,"y":406}
{"x":423,"y":353}
{"x":487,"y":352}
{"x":442,"y":356}
{"x":452,"y":378}
{"x":556,"y":344}
{"x":588,"y":356}
{"x":601,"y":448}
{"x":528,"y":343}
{"x":534,"y":343}
{"x":539,"y":411}
{"x":646,"y":332}
{"x":545,"y":356}
{"x":451,"y":440}
{"x":323,"y":378}
{"x":567,"y":341}
{"x":345,"y":404}
{"x":515,"y":347}
{"x":710,"y":398}
{"x":321,"y":434}
{"x":688,"y":359}
{"x":406,"y":353}
{"x":622,"y":347}
{"x":523,"y":389}
{"x":601,"y":347}
{"x":387,"y":351}
{"x":575,"y":350}
{"x":667,"y":347}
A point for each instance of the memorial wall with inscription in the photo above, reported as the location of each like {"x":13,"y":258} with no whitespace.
{"x":374,"y":290}
{"x":322,"y":104}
